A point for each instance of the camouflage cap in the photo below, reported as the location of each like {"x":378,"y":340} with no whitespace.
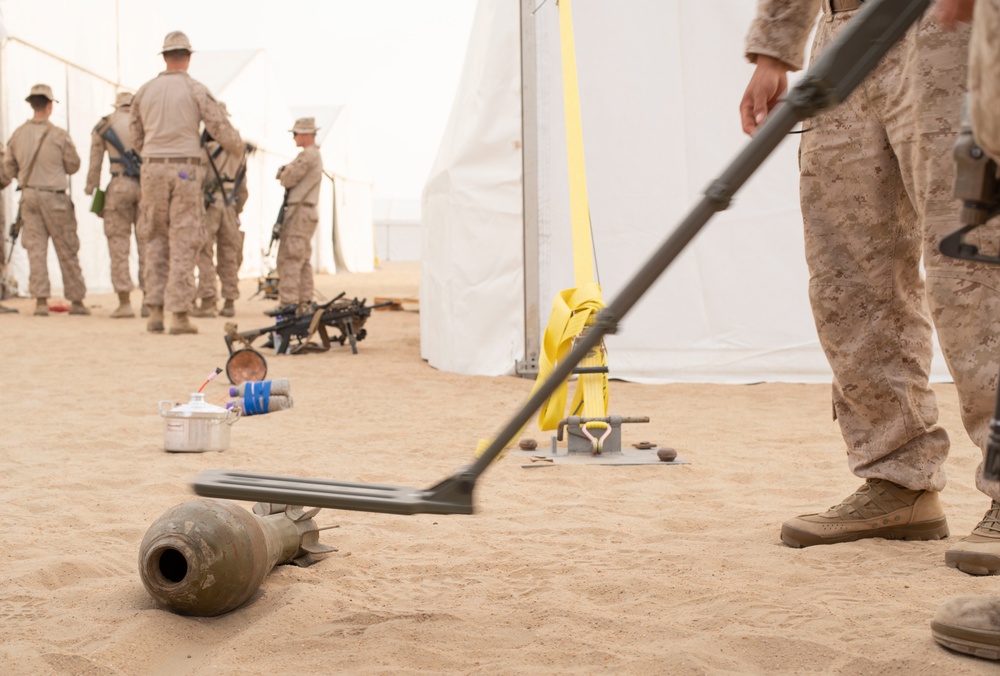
{"x":305,"y":125}
{"x":176,"y":41}
{"x":41,"y":90}
{"x":123,"y":99}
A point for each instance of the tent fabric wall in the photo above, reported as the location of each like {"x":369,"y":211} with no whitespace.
{"x":471,"y":288}
{"x":660,"y":82}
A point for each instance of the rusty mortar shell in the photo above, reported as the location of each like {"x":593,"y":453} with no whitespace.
{"x":207,"y":557}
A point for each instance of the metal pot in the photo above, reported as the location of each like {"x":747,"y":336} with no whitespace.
{"x":197,"y":426}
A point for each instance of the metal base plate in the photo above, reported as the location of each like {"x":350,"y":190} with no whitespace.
{"x":545,"y":458}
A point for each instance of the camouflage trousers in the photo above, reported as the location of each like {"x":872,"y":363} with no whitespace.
{"x":221,"y":254}
{"x":295,"y":273}
{"x":121,"y":211}
{"x":984,"y":76}
{"x":172,"y":213}
{"x":50,"y":215}
{"x":876,"y":177}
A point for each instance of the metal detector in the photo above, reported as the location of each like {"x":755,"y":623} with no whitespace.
{"x":858,"y":49}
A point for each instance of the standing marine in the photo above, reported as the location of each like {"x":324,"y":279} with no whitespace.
{"x":167,"y":113}
{"x":121,"y":199}
{"x":221,"y":255}
{"x":41,"y":156}
{"x":301,"y":179}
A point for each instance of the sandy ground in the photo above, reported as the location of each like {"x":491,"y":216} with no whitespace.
{"x":566,"y":569}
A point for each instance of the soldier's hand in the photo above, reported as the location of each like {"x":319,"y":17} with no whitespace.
{"x":767,"y":84}
{"x":949,"y":12}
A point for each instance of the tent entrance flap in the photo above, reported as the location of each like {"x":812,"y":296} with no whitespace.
{"x":846,"y":62}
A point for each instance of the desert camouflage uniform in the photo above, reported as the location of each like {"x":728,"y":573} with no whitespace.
{"x":166,"y":114}
{"x":121,"y":199}
{"x":295,"y":274}
{"x":46,"y":209}
{"x":222,"y":228}
{"x":876,"y":193}
{"x":984,"y":76}
{"x":4,"y":182}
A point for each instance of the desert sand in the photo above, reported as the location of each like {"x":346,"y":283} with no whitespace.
{"x":563,"y":569}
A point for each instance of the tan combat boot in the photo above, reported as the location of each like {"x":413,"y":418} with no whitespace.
{"x":970,"y":625}
{"x":879,"y":509}
{"x":41,"y":307}
{"x":181,"y":324}
{"x":979,"y":553}
{"x":144,"y":312}
{"x":155,"y":322}
{"x":228,"y":309}
{"x":124,"y":309}
{"x":205,"y":309}
{"x":78,"y":308}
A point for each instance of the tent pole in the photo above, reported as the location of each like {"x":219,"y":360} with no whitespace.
{"x":528,"y":366}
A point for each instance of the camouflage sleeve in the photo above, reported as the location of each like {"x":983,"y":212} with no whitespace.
{"x":71,"y":159}
{"x":135,"y":124}
{"x":4,"y":176}
{"x":242,"y":195}
{"x":296,"y":170}
{"x":781,"y":29}
{"x":216,"y":121}
{"x":10,"y":167}
{"x":96,"y":160}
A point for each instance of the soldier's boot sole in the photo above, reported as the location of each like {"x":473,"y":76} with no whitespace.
{"x":969,"y":625}
{"x":123,"y":312}
{"x":155,"y":322}
{"x":973,"y":563}
{"x":203,"y":311}
{"x":181,"y":325}
{"x":936,"y":529}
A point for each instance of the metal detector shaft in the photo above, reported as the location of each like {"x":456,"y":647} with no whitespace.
{"x":875,"y":29}
{"x":846,"y":62}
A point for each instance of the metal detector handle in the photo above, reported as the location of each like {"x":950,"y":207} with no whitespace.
{"x":857,"y":50}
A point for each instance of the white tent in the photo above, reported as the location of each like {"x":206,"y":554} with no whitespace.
{"x":660,"y":82}
{"x":85,"y":69}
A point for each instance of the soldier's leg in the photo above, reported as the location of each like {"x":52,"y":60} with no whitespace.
{"x":230,"y":254}
{"x":292,"y":253}
{"x":119,"y":214}
{"x":964,"y":295}
{"x":152,"y":231}
{"x":186,"y":233}
{"x":207,"y":273}
{"x":305,"y":227}
{"x":35,"y":240}
{"x":863,"y":246}
{"x":59,"y":215}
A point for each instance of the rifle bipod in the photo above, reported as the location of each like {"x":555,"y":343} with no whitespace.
{"x":835,"y":74}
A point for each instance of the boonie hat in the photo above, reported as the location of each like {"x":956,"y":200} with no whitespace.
{"x":176,"y":41}
{"x":305,"y":125}
{"x":123,"y":99}
{"x":41,"y":90}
